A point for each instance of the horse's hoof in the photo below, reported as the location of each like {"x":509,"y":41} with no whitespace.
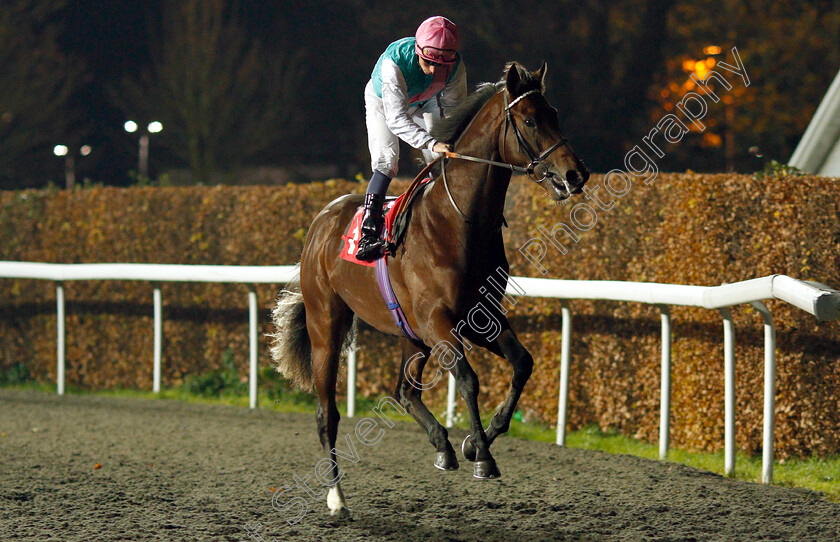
{"x":342,"y":512}
{"x":468,"y":448}
{"x":446,"y":460}
{"x":487,"y":469}
{"x":335,"y":502}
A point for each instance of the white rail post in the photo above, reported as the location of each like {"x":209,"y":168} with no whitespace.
{"x":729,"y":390}
{"x":450,"y":401}
{"x":59,"y":299}
{"x":565,"y":359}
{"x":769,"y":391}
{"x":158,"y":325}
{"x":252,"y":309}
{"x":351,"y":378}
{"x":665,"y":384}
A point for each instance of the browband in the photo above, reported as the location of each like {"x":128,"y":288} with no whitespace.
{"x":511,"y":104}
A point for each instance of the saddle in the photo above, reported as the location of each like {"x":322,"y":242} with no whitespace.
{"x":397,"y":213}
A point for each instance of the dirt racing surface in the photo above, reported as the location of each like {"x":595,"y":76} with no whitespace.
{"x":94,"y":468}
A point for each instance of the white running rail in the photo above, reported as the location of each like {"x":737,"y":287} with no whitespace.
{"x":250,"y":275}
{"x":817,"y":299}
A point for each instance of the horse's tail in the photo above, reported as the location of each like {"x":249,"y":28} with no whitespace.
{"x":291,"y":349}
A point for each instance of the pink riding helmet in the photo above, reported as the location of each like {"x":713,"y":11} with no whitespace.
{"x":437,"y":40}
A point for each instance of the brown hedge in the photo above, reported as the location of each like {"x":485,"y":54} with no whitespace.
{"x":682,"y":228}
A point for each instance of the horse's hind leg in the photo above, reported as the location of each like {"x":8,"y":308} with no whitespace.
{"x":409,"y":392}
{"x":328,"y":320}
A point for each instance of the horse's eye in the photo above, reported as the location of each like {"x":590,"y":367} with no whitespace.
{"x":531,"y":123}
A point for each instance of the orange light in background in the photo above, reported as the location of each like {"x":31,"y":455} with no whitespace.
{"x":664,"y":93}
{"x":688,"y":65}
{"x":700,"y":69}
{"x":712,"y":140}
{"x":711,"y":50}
{"x":710,"y":62}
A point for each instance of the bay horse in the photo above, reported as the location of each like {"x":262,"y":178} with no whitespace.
{"x":453,"y":243}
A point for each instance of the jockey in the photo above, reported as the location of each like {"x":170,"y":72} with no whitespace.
{"x":418,"y":75}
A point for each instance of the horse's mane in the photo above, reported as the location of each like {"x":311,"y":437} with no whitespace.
{"x":449,"y":129}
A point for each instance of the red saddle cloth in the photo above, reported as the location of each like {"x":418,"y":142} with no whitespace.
{"x":353,"y":234}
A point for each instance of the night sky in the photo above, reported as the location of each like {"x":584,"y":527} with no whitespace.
{"x":112,"y":39}
{"x":604,"y":59}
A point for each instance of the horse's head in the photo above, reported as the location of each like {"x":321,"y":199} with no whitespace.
{"x":531,"y":135}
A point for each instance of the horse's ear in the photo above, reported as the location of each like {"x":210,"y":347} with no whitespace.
{"x":541,"y":75}
{"x":513,"y":79}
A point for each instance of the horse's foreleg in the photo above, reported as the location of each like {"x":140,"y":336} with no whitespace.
{"x":508,"y":346}
{"x":523,"y":364}
{"x":467,"y":383}
{"x":409,"y":393}
{"x":439,"y":332}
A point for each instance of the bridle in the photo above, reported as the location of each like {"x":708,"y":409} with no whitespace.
{"x":535,"y":170}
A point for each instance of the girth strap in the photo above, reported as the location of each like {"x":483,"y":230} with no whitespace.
{"x":384,"y":281}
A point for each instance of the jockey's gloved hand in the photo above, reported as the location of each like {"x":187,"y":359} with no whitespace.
{"x":441,"y":147}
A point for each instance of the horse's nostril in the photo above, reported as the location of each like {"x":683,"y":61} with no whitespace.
{"x":572,"y":176}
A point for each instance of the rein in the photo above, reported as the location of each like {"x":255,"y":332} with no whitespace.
{"x":416,"y":182}
{"x":520,"y":169}
{"x":448,"y":193}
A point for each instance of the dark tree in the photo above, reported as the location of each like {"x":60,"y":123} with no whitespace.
{"x":223,"y":99}
{"x":791,"y":52}
{"x":36,"y":86}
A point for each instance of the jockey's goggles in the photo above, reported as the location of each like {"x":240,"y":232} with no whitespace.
{"x":438,"y":56}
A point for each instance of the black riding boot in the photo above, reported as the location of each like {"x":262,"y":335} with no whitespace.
{"x":371,"y":246}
